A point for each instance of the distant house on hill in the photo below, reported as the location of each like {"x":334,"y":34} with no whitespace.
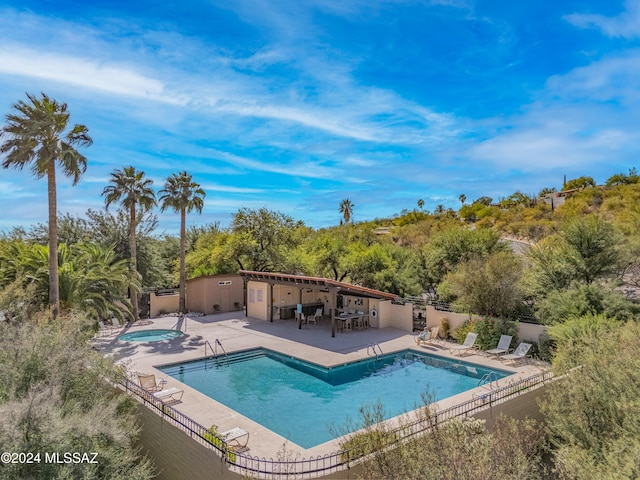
{"x":555,"y":199}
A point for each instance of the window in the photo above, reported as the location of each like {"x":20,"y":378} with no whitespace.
{"x":224,"y":282}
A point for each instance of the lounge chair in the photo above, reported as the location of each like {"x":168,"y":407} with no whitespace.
{"x":236,"y":437}
{"x":148,"y":382}
{"x":169,"y":394}
{"x":469,"y":343}
{"x":428,"y":335}
{"x":504,"y":346}
{"x":520,"y":353}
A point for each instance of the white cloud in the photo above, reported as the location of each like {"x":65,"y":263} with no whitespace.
{"x":625,"y":25}
{"x":12,"y":190}
{"x":612,"y":78}
{"x":86,"y":73}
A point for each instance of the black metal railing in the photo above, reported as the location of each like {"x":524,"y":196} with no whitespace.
{"x":261,"y":467}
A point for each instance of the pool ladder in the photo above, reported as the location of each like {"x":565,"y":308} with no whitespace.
{"x":214,"y":351}
{"x":378,"y":353}
{"x":488,"y":378}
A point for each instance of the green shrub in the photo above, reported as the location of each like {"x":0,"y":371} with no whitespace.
{"x":461,"y":332}
{"x":546,"y":347}
{"x":490,"y":330}
{"x":214,"y":438}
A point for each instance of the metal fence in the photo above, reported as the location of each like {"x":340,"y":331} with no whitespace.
{"x":261,"y":467}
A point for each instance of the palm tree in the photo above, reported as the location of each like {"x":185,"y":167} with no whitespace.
{"x":37,"y":134}
{"x":420,"y":203}
{"x":130,"y":188}
{"x":462,"y":198}
{"x":346,"y":209}
{"x":182,"y":195}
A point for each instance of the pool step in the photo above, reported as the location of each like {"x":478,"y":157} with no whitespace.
{"x":210,"y":362}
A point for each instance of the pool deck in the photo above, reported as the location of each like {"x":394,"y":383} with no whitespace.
{"x":237,"y":332}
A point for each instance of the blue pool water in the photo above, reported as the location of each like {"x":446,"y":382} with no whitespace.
{"x":154,"y":335}
{"x":299,"y":400}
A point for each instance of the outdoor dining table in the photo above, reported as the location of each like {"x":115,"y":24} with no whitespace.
{"x":347,"y":318}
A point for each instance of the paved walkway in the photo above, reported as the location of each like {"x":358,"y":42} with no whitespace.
{"x":237,"y":332}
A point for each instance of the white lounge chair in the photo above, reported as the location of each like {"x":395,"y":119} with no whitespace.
{"x":469,"y":343}
{"x":169,"y":394}
{"x":235,"y":436}
{"x":520,"y":353}
{"x":504,"y":345}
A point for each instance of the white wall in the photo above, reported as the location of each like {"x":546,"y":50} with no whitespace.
{"x":395,"y":316}
{"x":526,"y":331}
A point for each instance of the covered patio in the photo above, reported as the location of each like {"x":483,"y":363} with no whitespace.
{"x":278,"y":296}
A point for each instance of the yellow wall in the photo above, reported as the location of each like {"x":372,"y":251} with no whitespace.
{"x":163,"y":303}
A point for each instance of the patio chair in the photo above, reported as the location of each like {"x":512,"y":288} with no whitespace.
{"x":148,"y":382}
{"x":428,"y":335}
{"x":520,"y":353}
{"x":504,"y":346}
{"x":469,"y":343}
{"x":311,"y":318}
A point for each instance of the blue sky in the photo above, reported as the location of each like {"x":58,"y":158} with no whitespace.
{"x":296,"y":105}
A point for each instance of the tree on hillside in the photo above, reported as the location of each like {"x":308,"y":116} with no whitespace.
{"x":546,"y":191}
{"x":586,"y":249}
{"x":489,"y":285}
{"x":131,"y":189}
{"x":37,"y":134}
{"x":595,"y":244}
{"x":346,"y":209}
{"x":622,"y":179}
{"x":463,"y":198}
{"x":580,"y":299}
{"x":420,"y":203}
{"x":454,"y":246}
{"x":580,"y":182}
{"x":182,"y":195}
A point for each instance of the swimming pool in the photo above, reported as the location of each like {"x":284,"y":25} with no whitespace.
{"x":299,"y":400}
{"x":153,"y":335}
